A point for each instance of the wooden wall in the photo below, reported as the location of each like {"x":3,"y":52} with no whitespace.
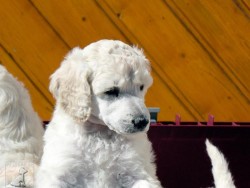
{"x":200,"y":50}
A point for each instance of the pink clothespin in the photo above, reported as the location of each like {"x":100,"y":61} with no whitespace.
{"x":178,"y":119}
{"x":199,"y":124}
{"x":235,"y":124}
{"x":210,"y":121}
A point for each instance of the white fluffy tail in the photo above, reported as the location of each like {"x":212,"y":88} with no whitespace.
{"x":221,"y":173}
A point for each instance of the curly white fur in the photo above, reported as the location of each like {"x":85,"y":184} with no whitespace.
{"x":21,"y":130}
{"x":221,"y":173}
{"x":97,"y":137}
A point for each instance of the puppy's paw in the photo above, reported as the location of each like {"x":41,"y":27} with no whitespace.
{"x":141,"y":184}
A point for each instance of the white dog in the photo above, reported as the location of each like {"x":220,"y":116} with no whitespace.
{"x":21,"y":130}
{"x":221,"y":173}
{"x":97,"y":137}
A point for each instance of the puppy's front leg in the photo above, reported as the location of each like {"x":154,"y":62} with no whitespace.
{"x":145,"y":184}
{"x":141,"y":184}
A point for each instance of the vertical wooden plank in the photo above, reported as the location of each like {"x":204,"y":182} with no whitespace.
{"x":79,"y":23}
{"x":213,"y":23}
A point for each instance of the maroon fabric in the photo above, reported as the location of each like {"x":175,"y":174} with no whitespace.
{"x":181,"y":155}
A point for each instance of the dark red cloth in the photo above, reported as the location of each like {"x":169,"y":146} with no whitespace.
{"x":181,"y":155}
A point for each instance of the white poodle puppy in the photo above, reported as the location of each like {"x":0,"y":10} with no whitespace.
{"x":97,"y":137}
{"x":21,"y":130}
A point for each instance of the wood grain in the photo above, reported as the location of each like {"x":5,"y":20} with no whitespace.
{"x":200,"y":50}
{"x":94,"y":13}
{"x":184,"y":63}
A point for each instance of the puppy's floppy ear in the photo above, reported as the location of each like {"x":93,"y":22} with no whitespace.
{"x":69,"y":85}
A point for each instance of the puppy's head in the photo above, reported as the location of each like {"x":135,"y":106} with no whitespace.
{"x":107,"y":81}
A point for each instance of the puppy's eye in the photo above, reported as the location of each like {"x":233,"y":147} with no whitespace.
{"x":114,"y":92}
{"x":141,"y":87}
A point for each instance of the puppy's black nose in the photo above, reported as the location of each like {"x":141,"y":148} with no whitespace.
{"x":140,"y":122}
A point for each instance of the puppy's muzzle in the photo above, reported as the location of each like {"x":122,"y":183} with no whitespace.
{"x":140,"y":123}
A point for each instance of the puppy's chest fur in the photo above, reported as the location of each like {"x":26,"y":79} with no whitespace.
{"x":106,"y":150}
{"x":103,"y":159}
